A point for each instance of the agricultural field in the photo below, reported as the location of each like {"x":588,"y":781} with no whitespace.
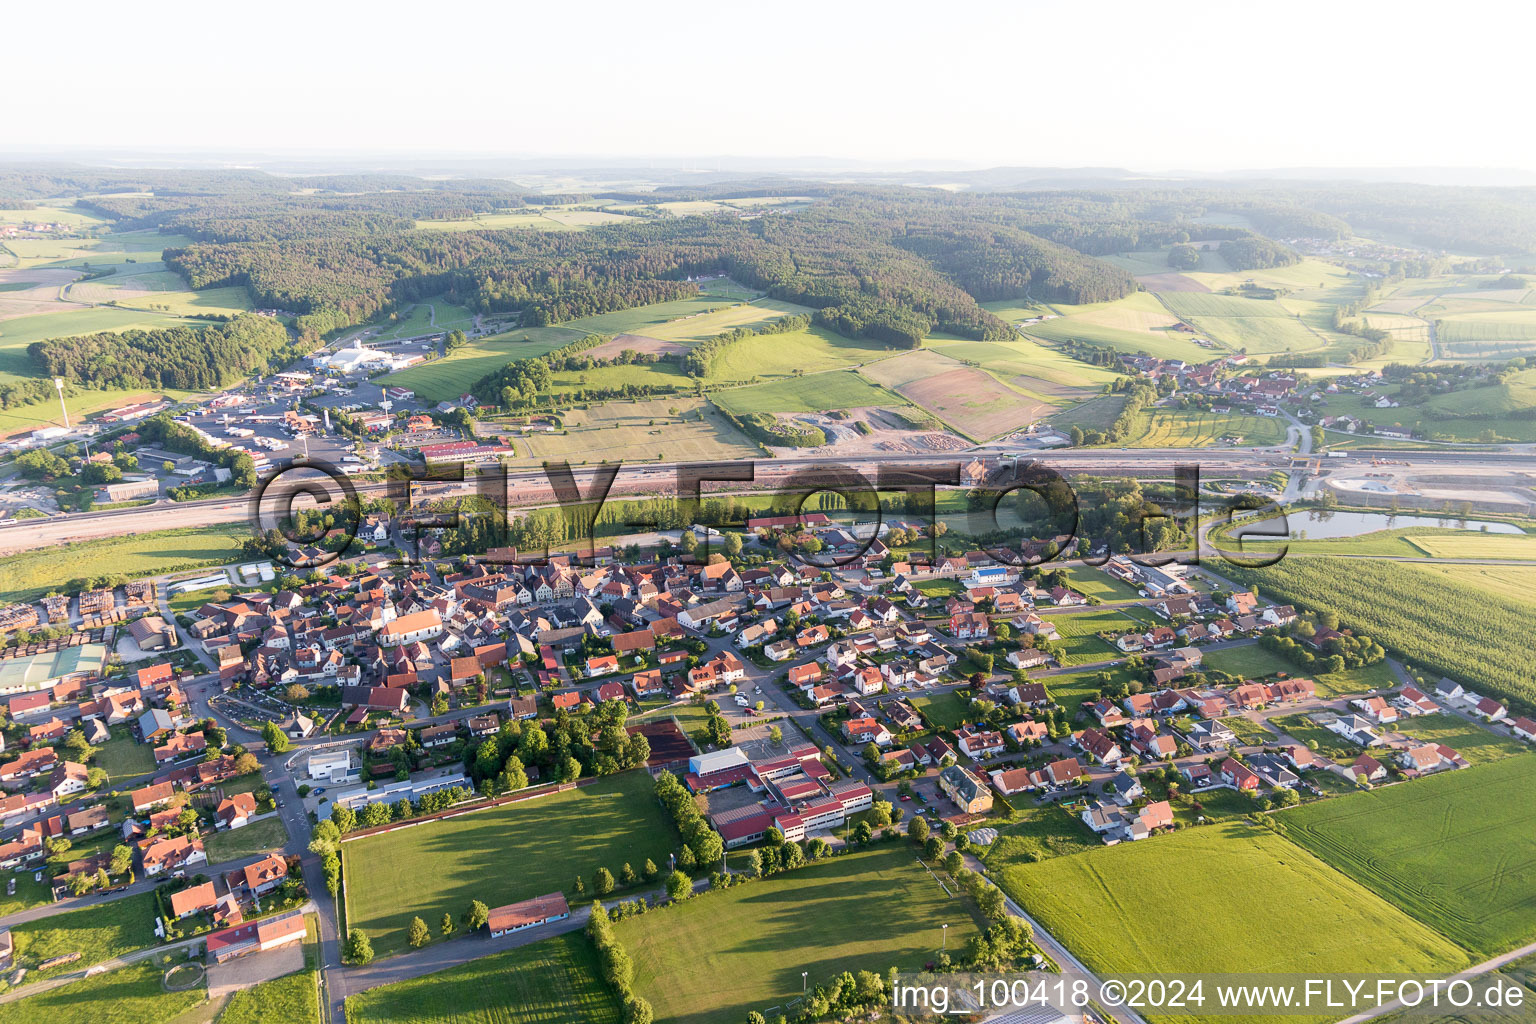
{"x":1034,"y":367}
{"x":640,"y":431}
{"x":439,"y":868}
{"x":532,"y":219}
{"x":1494,"y":334}
{"x":701,"y":326}
{"x":644,"y":319}
{"x":1312,"y":280}
{"x":554,"y":981}
{"x":1079,"y":631}
{"x":20,"y":418}
{"x":1516,"y":582}
{"x":762,"y":935}
{"x":104,"y":250}
{"x":1192,"y":428}
{"x":971,"y":401}
{"x":1136,"y":323}
{"x":800,"y":352}
{"x":818,"y":392}
{"x":97,"y":933}
{"x":1453,"y":850}
{"x":1015,"y":310}
{"x":62,"y":211}
{"x":1418,"y":615}
{"x":1137,"y":908}
{"x":455,"y":374}
{"x":154,"y":287}
{"x":130,"y":995}
{"x":30,"y":574}
{"x":1094,"y":414}
{"x":17,"y":334}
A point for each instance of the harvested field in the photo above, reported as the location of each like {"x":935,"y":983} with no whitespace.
{"x":1170,"y":283}
{"x":972,"y":401}
{"x":23,"y":292}
{"x":638,"y":343}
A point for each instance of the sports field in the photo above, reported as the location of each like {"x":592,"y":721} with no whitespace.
{"x":503,"y":855}
{"x":1457,"y":851}
{"x":818,"y":392}
{"x":640,"y":431}
{"x":1228,"y":897}
{"x":715,"y":958}
{"x":555,"y":981}
{"x":30,"y":574}
{"x":1192,"y":428}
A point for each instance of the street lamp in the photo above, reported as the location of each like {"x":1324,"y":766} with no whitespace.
{"x":943,"y":937}
{"x":803,"y":982}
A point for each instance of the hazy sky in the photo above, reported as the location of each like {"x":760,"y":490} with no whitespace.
{"x":1146,"y":85}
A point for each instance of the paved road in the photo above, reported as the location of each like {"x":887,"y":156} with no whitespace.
{"x":1486,"y":967}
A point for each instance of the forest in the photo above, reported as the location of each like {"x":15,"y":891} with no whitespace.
{"x":186,"y":358}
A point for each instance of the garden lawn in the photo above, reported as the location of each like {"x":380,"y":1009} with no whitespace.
{"x":257,"y":837}
{"x":97,"y":933}
{"x":123,"y":756}
{"x":1468,"y":739}
{"x":943,"y":710}
{"x":503,"y":855}
{"x":1454,"y":850}
{"x":1330,"y":744}
{"x":132,"y":995}
{"x":713,"y":959}
{"x":291,"y":999}
{"x":556,"y":981}
{"x":1220,"y":898}
{"x":1250,"y":662}
{"x":1080,"y":643}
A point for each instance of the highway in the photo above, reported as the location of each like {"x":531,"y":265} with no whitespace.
{"x":530,"y":488}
